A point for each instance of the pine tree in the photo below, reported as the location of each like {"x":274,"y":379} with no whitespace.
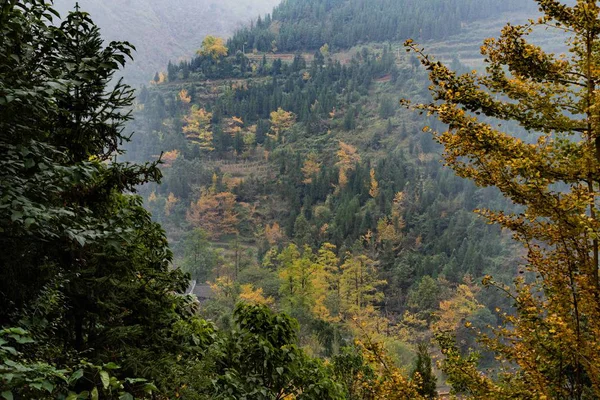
{"x":423,"y":374}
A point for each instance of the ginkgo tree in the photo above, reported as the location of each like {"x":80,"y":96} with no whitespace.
{"x":214,"y":47}
{"x":554,"y":334}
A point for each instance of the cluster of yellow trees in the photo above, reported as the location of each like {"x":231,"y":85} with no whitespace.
{"x":319,"y":283}
{"x":198,"y":125}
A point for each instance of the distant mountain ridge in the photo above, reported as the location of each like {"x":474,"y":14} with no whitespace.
{"x":308,"y":24}
{"x":166,"y":30}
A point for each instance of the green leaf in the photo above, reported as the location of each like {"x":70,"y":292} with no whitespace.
{"x":105,"y":378}
{"x":7,"y":395}
{"x":17,"y":331}
{"x":49,"y":387}
{"x":80,"y":240}
{"x":126,"y":396}
{"x":25,"y":339}
{"x":29,"y":163}
{"x":95,"y":393}
{"x":56,"y":85}
{"x":279,"y":370}
{"x":111,"y":365}
{"x":135,"y":380}
{"x":76,"y":376}
{"x":149,"y":388}
{"x":16,"y":215}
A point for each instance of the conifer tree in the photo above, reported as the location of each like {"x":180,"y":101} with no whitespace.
{"x":423,"y":374}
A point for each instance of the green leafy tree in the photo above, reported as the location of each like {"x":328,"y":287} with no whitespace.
{"x":84,"y":268}
{"x":425,"y":296}
{"x":260,"y":359}
{"x":199,"y":258}
{"x":422,"y":373}
{"x":353,"y":373}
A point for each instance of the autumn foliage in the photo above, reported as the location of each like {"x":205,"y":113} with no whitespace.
{"x":198,"y":129}
{"x":281,"y":121}
{"x":214,"y":47}
{"x":554,"y":335}
{"x":348,"y":157}
{"x":215,"y":213}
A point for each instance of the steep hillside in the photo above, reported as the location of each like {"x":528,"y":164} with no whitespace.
{"x":288,"y":173}
{"x":166,"y":30}
{"x":271,"y":217}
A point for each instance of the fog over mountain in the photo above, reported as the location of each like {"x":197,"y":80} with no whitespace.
{"x":166,"y":30}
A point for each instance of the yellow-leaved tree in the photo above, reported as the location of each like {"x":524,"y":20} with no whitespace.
{"x":214,"y":47}
{"x":553,"y":336}
{"x":170,"y":204}
{"x":348,"y":157}
{"x":251,"y":295}
{"x":374,"y":184}
{"x":215,"y":213}
{"x":359,"y":285}
{"x":169,"y":157}
{"x":184,"y":96}
{"x":309,"y":282}
{"x":311,"y":168}
{"x":197,"y":128}
{"x":299,"y":277}
{"x":281,"y":121}
{"x":328,"y":299}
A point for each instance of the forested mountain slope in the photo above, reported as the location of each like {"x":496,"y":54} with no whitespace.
{"x":296,"y":180}
{"x":308,"y":24}
{"x":281,"y":226}
{"x":166,"y":30}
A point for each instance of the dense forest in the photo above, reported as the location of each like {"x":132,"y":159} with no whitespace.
{"x":286,"y":175}
{"x":297,"y":25}
{"x":259,"y":224}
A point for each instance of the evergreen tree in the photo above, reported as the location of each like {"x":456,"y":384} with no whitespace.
{"x":423,"y":374}
{"x":308,"y":24}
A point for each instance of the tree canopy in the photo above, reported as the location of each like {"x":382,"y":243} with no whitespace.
{"x":297,"y":25}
